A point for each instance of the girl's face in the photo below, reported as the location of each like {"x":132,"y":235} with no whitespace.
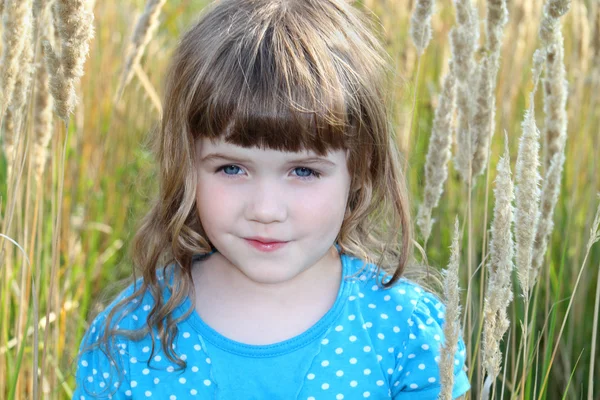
{"x":296,"y":198}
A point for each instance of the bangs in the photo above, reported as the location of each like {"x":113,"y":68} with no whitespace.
{"x":277,"y":84}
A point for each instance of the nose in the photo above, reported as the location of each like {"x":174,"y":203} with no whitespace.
{"x":267,"y":203}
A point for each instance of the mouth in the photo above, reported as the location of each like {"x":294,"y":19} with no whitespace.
{"x":265,"y":244}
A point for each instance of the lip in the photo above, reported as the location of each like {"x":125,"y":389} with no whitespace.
{"x":265,"y":244}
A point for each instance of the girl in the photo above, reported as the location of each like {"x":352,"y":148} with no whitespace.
{"x":281,"y":209}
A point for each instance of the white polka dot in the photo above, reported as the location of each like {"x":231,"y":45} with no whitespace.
{"x":352,"y":298}
{"x":146,"y":307}
{"x":425,"y":346}
{"x":351,"y":317}
{"x":353,"y":383}
{"x":310,"y":377}
{"x":172,"y":397}
{"x":94,"y":371}
{"x":374,"y":287}
{"x":148,"y":393}
{"x":367,"y":349}
{"x":157,"y":358}
{"x":414,"y":386}
{"x":380,"y":336}
{"x":339,"y":396}
{"x":133,"y":360}
{"x":133,"y":384}
{"x":156,"y":381}
{"x":325,"y":386}
{"x":84,"y":363}
{"x":197,"y":347}
{"x":416,"y":289}
{"x":399,"y":355}
{"x":183,"y":357}
{"x":401,"y":291}
{"x":105,"y":375}
{"x":194,"y":369}
{"x":193,"y":392}
{"x":339,"y":328}
{"x":368,"y":324}
{"x":429,"y":321}
{"x":145,"y":371}
{"x":206,"y":382}
{"x":325,"y":341}
{"x":396,"y":329}
{"x":208,"y":360}
{"x":421,"y":366}
{"x":371,"y":305}
{"x":379,"y":358}
{"x":366,"y":394}
{"x":353,"y":360}
{"x":170,"y":368}
{"x":102,"y":384}
{"x":186,"y":335}
{"x":146,"y":349}
{"x":411,"y":356}
{"x":390,"y":371}
{"x":361,"y":295}
{"x":182,"y":380}
{"x":414,"y":302}
{"x":367,"y":372}
{"x":128,"y":393}
{"x":441,"y":315}
{"x":325,"y":363}
{"x":379,"y":383}
{"x":437,"y":337}
{"x":456,"y":362}
{"x":399,"y":307}
{"x":352,"y":338}
{"x":384,"y":316}
{"x":135,"y":317}
{"x":410,"y":322}
{"x":437,"y":359}
{"x":411,"y":336}
{"x":90,"y":379}
{"x":386,"y":297}
{"x":340,"y":373}
{"x":390,"y":350}
{"x":339,"y":350}
{"x":432,"y":379}
{"x":310,"y":398}
{"x":421,"y":326}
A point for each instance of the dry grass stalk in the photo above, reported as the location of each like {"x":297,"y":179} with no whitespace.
{"x":420,"y":24}
{"x":16,"y":22}
{"x":485,"y":112}
{"x":555,"y":83}
{"x":438,"y":153}
{"x":464,"y":38}
{"x":16,"y":108}
{"x":527,"y":196}
{"x":451,"y":321}
{"x":74,"y":22}
{"x":42,"y":128}
{"x":144,"y":30}
{"x":499,"y":286}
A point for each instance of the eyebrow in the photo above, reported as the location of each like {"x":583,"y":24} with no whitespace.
{"x":307,"y":160}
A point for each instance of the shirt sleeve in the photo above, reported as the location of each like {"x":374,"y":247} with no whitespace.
{"x":97,"y":375}
{"x":417,"y":373}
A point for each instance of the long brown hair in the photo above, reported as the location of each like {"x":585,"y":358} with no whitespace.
{"x":280,"y":74}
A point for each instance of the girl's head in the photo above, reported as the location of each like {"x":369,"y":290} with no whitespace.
{"x":271,"y":81}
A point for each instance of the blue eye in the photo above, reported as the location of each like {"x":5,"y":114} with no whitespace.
{"x":229,"y":169}
{"x":308,"y":171}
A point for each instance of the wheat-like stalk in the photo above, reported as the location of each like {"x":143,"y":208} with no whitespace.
{"x":74,"y":21}
{"x":451,"y":320}
{"x":42,"y":128}
{"x":144,"y":30}
{"x":17,"y":22}
{"x":485,"y":106}
{"x":499,"y":287}
{"x":527,"y":196}
{"x":464,"y":38}
{"x":420,"y":24}
{"x":438,"y":153}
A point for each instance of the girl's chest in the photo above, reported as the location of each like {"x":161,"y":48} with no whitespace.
{"x":328,"y":369}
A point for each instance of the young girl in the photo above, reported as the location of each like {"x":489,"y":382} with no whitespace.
{"x":281,"y":210}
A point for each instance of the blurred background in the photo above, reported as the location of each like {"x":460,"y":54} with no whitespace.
{"x":109,"y":179}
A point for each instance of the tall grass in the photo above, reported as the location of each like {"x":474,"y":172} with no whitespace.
{"x":70,"y":194}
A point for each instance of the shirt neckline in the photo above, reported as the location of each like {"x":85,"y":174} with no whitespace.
{"x":287,"y":346}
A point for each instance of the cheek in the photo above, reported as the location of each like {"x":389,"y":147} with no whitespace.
{"x":323,"y":205}
{"x":213,"y":203}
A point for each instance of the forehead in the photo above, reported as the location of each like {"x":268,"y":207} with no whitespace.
{"x":206,"y":146}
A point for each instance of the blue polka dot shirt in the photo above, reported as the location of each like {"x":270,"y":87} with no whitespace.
{"x":372,"y":343}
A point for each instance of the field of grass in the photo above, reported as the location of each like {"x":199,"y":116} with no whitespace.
{"x":66,"y":229}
